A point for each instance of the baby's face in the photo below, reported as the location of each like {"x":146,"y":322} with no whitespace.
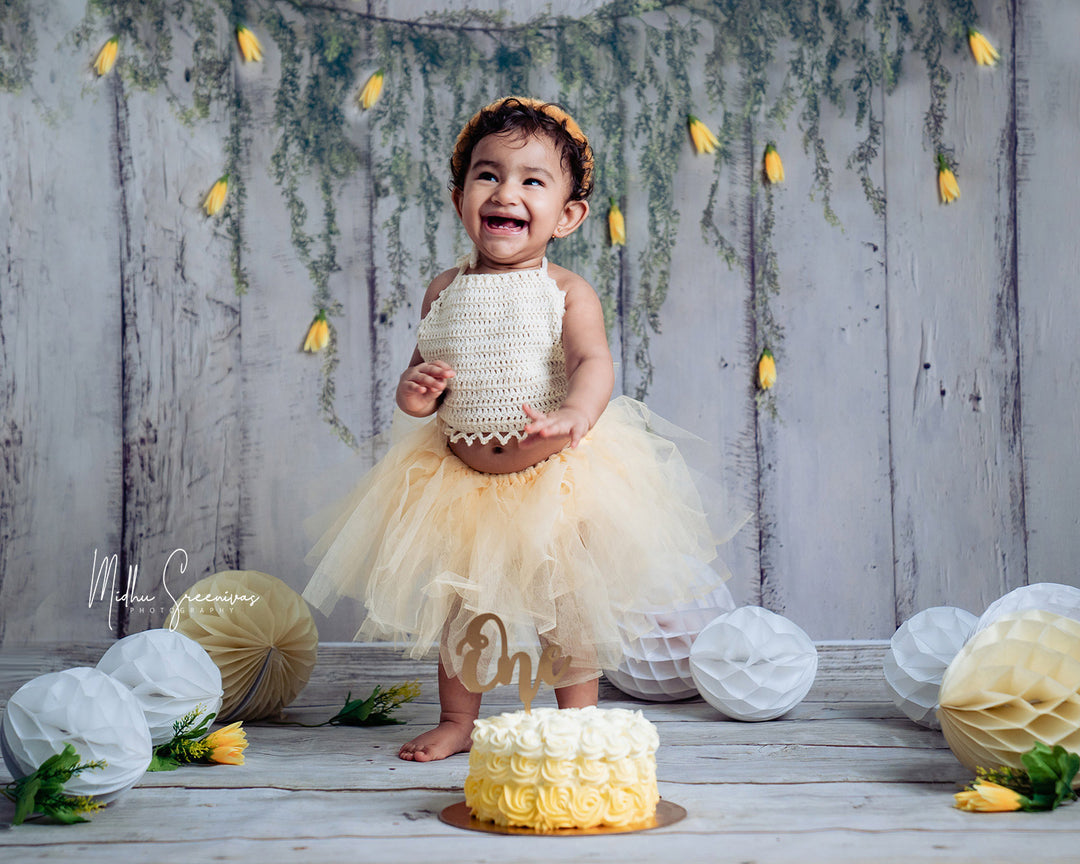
{"x":514,"y":199}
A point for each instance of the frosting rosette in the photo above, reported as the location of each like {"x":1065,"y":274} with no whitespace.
{"x":553,"y":769}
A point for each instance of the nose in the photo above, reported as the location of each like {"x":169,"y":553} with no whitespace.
{"x":504,"y":193}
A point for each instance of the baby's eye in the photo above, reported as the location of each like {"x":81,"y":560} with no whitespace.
{"x":485,"y":175}
{"x":532,"y":181}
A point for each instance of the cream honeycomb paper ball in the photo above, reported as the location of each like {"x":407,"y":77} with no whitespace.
{"x":656,"y":665}
{"x":1013,"y":683}
{"x":86,"y":708}
{"x":752,"y":664}
{"x":1048,"y":596}
{"x":258,"y":631}
{"x":920,"y":651}
{"x":169,"y":673}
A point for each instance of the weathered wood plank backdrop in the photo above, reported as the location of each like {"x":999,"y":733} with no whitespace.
{"x":924,"y":445}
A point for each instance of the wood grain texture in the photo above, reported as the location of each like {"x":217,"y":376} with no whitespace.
{"x":181,"y":355}
{"x":923,"y":451}
{"x":824,"y":457}
{"x":1046,"y":85}
{"x":867,"y":787}
{"x":60,"y":330}
{"x":953,"y":353}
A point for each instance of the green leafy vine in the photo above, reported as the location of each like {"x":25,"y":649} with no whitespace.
{"x":626,"y":70}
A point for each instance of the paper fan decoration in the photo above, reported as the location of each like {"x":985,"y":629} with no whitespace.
{"x":752,"y":664}
{"x":921,"y":650}
{"x":260,"y":634}
{"x":1048,"y":596}
{"x":1012,"y":684}
{"x":169,"y":673}
{"x":86,"y":708}
{"x":656,"y":665}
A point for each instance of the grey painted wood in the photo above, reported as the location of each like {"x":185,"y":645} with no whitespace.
{"x":953,"y":353}
{"x":60,"y":332}
{"x":823,"y":460}
{"x":1048,"y":116}
{"x":811,"y":788}
{"x":144,"y":407}
{"x":181,"y":353}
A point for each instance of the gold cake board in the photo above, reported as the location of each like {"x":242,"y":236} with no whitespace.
{"x":459,"y":816}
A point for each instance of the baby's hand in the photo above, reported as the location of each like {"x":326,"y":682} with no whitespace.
{"x":566,"y":421}
{"x":421,"y":386}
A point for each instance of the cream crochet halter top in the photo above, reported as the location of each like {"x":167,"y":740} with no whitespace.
{"x":501,"y":333}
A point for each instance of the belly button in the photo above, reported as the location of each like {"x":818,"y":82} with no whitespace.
{"x":496,"y":449}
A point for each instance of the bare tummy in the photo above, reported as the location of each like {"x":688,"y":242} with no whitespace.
{"x":514,"y":455}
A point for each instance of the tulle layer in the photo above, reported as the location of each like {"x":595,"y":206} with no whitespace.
{"x":565,"y":552}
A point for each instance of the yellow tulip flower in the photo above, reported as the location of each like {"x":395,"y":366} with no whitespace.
{"x":766,"y":370}
{"x":318,"y":334}
{"x":987,"y":797}
{"x":616,"y":225}
{"x":227,"y":744}
{"x":106,"y":57}
{"x":701,"y":135}
{"x":215,"y":198}
{"x":948,"y":188}
{"x":249,"y":44}
{"x":984,"y":53}
{"x":774,"y":168}
{"x":372,"y":90}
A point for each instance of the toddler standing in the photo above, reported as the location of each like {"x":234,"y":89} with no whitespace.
{"x":529,"y":495}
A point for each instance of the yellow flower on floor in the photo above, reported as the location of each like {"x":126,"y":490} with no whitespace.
{"x":774,"y":168}
{"x":215,"y":198}
{"x":318,"y":334}
{"x":701,"y":135}
{"x":616,"y":225}
{"x":372,"y":90}
{"x":249,"y":44}
{"x":766,"y":370}
{"x":984,"y":53}
{"x":987,"y":797}
{"x":227,"y":744}
{"x":106,"y":57}
{"x":948,"y":188}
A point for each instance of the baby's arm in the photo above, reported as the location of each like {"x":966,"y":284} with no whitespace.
{"x":590,"y":376}
{"x":421,"y":386}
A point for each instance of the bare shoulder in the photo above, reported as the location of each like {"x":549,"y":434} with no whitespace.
{"x":576,"y":289}
{"x":435,"y":288}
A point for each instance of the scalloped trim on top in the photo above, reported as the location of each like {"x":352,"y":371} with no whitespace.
{"x":456,"y":435}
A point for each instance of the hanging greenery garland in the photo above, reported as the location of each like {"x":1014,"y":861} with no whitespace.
{"x":358,"y":89}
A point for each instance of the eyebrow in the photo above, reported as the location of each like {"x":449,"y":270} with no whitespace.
{"x":528,"y":169}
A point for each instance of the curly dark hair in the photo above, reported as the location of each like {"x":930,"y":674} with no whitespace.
{"x":528,"y":116}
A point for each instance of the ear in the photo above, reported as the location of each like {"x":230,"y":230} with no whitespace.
{"x":455,"y":196}
{"x":574,"y":213}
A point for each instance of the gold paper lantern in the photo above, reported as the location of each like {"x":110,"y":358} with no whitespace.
{"x":1012,"y":684}
{"x":260,"y":634}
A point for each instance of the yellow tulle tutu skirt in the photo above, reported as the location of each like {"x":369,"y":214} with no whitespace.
{"x":569,"y":551}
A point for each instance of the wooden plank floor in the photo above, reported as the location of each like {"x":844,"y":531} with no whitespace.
{"x":842,"y":778}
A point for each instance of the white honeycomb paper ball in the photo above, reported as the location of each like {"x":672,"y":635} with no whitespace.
{"x":169,"y":673}
{"x":1048,"y":596}
{"x":86,"y":708}
{"x":920,"y":651}
{"x":656,"y":665}
{"x":752,"y":664}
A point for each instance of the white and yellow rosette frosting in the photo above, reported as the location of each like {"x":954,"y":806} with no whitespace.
{"x":569,"y":768}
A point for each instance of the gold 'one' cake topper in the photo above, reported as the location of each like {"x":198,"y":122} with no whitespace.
{"x":476,"y":642}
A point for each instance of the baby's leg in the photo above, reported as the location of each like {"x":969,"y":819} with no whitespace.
{"x":578,"y":695}
{"x":459,"y":707}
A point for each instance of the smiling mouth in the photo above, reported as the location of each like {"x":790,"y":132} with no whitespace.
{"x":504,"y":223}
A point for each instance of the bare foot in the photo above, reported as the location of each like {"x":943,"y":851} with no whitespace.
{"x":446,"y":739}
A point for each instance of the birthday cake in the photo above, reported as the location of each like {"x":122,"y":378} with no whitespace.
{"x":569,"y":768}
